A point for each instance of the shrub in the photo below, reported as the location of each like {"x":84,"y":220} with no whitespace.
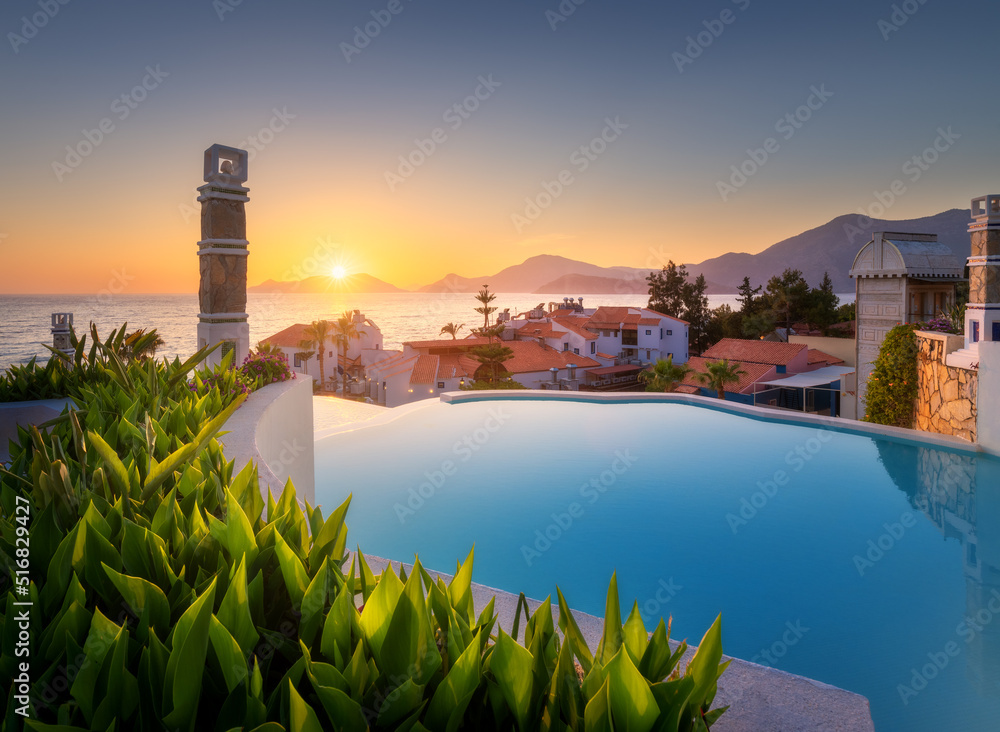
{"x":941,"y":325}
{"x":892,"y":386}
{"x":166,"y":593}
{"x":263,"y":368}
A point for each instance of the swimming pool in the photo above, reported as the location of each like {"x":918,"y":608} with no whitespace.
{"x":869,"y":564}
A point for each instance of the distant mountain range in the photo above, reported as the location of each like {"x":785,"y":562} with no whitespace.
{"x":351,"y":284}
{"x":827,"y":248}
{"x":832,"y":248}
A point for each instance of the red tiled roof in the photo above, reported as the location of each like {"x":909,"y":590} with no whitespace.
{"x":749,"y":351}
{"x":457,"y":365}
{"x":448,"y":343}
{"x":687,"y":389}
{"x":606,"y":370}
{"x":405,"y":365}
{"x":753,"y":372}
{"x":649,"y":321}
{"x":577,"y":328}
{"x":540,"y":331}
{"x":290,"y":337}
{"x":425,"y":370}
{"x":607,"y":317}
{"x":561,"y":312}
{"x":604,"y":355}
{"x":818,"y":356}
{"x":530,"y":356}
{"x":655,"y":314}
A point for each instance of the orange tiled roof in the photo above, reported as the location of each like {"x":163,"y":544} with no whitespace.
{"x":687,"y":389}
{"x":290,"y":337}
{"x":818,"y":356}
{"x":753,"y":372}
{"x":749,"y":351}
{"x":655,"y":314}
{"x":530,"y":356}
{"x":401,"y":367}
{"x":540,"y":331}
{"x":577,"y":328}
{"x":457,"y":365}
{"x":425,"y":370}
{"x":604,"y":355}
{"x":608,"y":317}
{"x":448,"y":343}
{"x":649,"y":321}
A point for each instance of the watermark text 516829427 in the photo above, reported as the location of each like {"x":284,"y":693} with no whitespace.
{"x":22,"y":618}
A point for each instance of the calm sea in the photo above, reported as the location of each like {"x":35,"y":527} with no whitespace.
{"x":25,"y":320}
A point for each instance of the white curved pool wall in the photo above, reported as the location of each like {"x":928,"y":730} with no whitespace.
{"x":274,"y":428}
{"x":988,"y":415}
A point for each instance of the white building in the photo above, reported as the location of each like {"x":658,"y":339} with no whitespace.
{"x":366,"y":349}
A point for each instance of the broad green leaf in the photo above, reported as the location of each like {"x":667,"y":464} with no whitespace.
{"x":511,"y":667}
{"x":634,"y":635}
{"x":142,"y":595}
{"x":182,"y":688}
{"x":611,"y":640}
{"x":378,"y":610}
{"x":567,"y":624}
{"x":112,"y":464}
{"x":231,"y":659}
{"x":328,"y":535}
{"x":704,"y":667}
{"x":234,"y":612}
{"x":239,"y":533}
{"x":409,"y":649}
{"x":597,"y":715}
{"x":633,"y":708}
{"x":294,"y":574}
{"x":460,"y":589}
{"x":302,"y":718}
{"x":455,"y":691}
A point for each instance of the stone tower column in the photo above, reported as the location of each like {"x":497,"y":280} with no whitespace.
{"x":223,"y":253}
{"x":982,"y":314}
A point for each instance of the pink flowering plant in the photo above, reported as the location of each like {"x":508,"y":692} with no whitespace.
{"x":940,"y":325}
{"x":262,"y":369}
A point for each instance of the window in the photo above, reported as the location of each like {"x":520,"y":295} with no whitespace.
{"x":298,"y":361}
{"x":649,"y":332}
{"x":331,"y":354}
{"x":576,"y":351}
{"x":661,"y":334}
{"x":670,"y":332}
{"x":565,"y":346}
{"x":593,"y":347}
{"x":670,"y":356}
{"x":647,"y":354}
{"x":782,"y":369}
{"x":440,"y":385}
{"x":630,"y":337}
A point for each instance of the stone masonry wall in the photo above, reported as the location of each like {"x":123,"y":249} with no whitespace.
{"x":946,"y":396}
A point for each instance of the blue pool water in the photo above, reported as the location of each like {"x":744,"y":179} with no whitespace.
{"x":868,"y":564}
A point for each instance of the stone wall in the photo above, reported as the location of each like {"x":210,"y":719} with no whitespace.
{"x":946,"y":396}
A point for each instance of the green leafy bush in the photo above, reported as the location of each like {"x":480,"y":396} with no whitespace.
{"x":892,"y":386}
{"x":166,"y":593}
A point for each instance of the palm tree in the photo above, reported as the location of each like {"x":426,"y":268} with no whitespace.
{"x":141,"y":344}
{"x":664,"y":375}
{"x":452,"y":330}
{"x":344,"y":331}
{"x":316,"y":336}
{"x":270,"y":348}
{"x":485,"y":297}
{"x":721,"y":373}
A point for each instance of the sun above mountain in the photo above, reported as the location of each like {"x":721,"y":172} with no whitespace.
{"x":338,"y":272}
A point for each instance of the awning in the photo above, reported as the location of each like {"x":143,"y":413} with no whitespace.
{"x":819,"y":377}
{"x":608,"y":370}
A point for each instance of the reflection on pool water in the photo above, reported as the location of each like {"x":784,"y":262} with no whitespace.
{"x":865,"y":563}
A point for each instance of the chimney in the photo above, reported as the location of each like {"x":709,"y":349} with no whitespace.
{"x":62,"y":326}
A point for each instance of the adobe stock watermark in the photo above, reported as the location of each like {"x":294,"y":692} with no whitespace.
{"x":122,"y":108}
{"x":580,"y":160}
{"x":31,"y":25}
{"x":752,"y":505}
{"x":463,"y":449}
{"x":912,"y":170}
{"x":786,"y":126}
{"x":223,"y":8}
{"x":877,"y":548}
{"x":454,"y":117}
{"x":714,"y":28}
{"x":118,"y":283}
{"x":364,"y":35}
{"x":562,"y":13}
{"x":937,"y":661}
{"x":793,"y":633}
{"x":652,"y":609}
{"x":592,"y":491}
{"x":899,"y":17}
